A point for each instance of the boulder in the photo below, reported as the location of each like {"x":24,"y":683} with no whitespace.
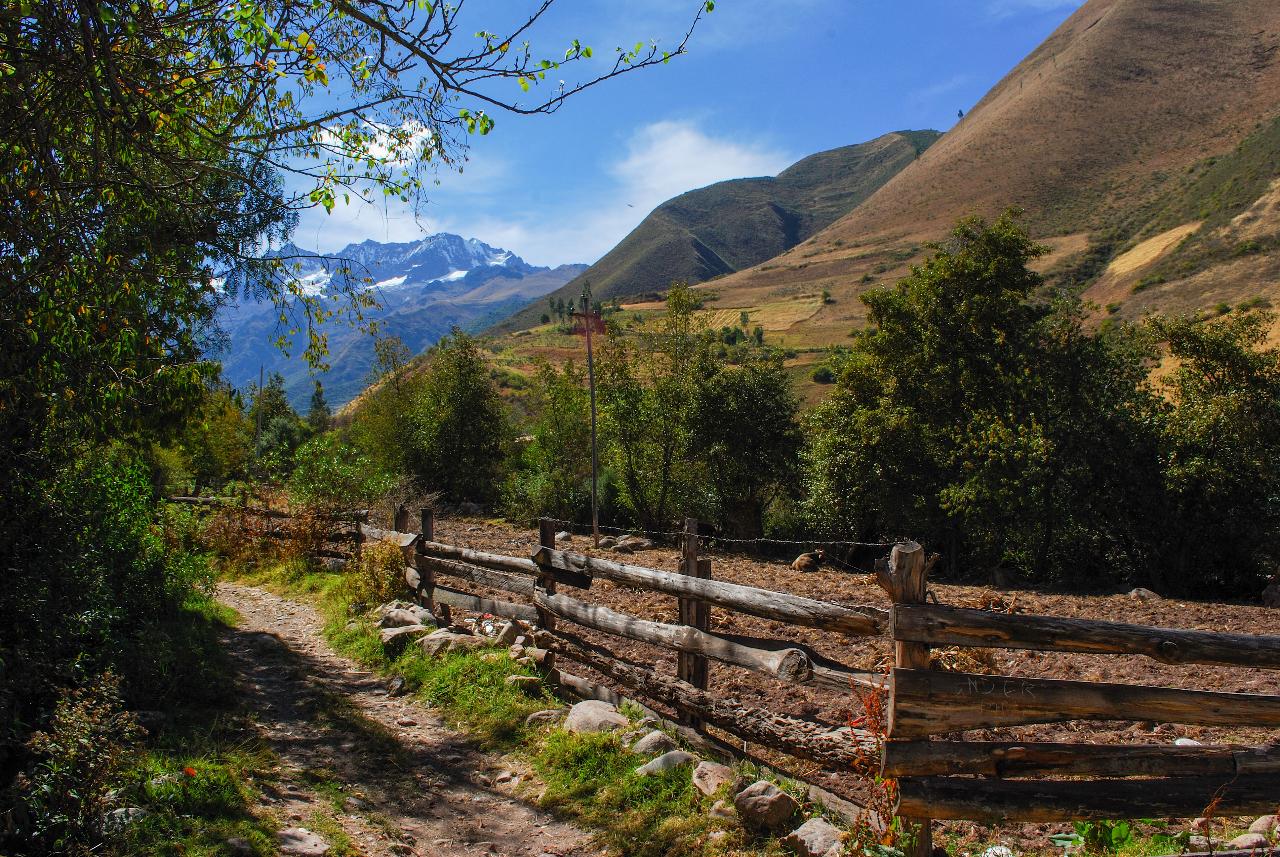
{"x":1248,"y":842}
{"x":564,"y":536}
{"x":119,"y":819}
{"x":711,"y":777}
{"x":814,"y":838}
{"x":403,"y":616}
{"x":593,"y":715}
{"x":333,"y":565}
{"x":447,"y":640}
{"x":530,"y":684}
{"x":764,"y":807}
{"x":301,"y":842}
{"x":397,"y":686}
{"x":395,"y":639}
{"x":238,"y":846}
{"x":654,"y":744}
{"x":1141,"y":594}
{"x":1265,"y":824}
{"x":550,"y":715}
{"x":468,"y":509}
{"x":1271,"y":595}
{"x":1204,"y":843}
{"x":668,"y":761}
{"x":507,"y":633}
{"x":607,"y":541}
{"x":635,"y":543}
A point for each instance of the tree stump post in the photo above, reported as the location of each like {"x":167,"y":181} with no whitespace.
{"x":426,"y":574}
{"x":401,"y":523}
{"x":695,"y":613}
{"x":906,"y":581}
{"x":547,"y":583}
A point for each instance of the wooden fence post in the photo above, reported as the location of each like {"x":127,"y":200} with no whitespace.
{"x":547,"y":583}
{"x":358,"y":534}
{"x":401,"y":522}
{"x":426,"y":574}
{"x":906,"y":582}
{"x":695,"y":613}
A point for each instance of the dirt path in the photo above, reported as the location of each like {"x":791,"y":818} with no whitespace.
{"x":385,"y":770}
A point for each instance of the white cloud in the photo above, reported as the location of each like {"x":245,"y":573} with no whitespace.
{"x":661,"y":160}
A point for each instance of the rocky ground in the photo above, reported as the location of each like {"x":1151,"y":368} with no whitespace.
{"x":382,"y":772}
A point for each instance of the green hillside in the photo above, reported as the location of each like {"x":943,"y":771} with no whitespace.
{"x":732,"y":225}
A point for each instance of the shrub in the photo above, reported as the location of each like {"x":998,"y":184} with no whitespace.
{"x":331,"y":473}
{"x":376,"y":578}
{"x":823,"y":375}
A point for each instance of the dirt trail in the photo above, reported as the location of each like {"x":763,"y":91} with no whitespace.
{"x":409,"y":784}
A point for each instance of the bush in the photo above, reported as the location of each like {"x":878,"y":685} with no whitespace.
{"x":330,"y":473}
{"x":375,"y":579}
{"x":823,"y":375}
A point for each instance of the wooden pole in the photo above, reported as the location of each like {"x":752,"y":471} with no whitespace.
{"x":906,"y":582}
{"x":694,"y":613}
{"x":427,"y":583}
{"x":589,"y":321}
{"x":401,"y":522}
{"x":358,"y":535}
{"x":547,"y":583}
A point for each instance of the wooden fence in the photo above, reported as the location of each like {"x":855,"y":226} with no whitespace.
{"x":947,"y":778}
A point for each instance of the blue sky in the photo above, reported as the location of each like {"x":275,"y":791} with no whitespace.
{"x":764,"y":84}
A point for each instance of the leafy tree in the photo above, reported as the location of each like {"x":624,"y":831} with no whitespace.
{"x":553,"y":469}
{"x":319,"y":416}
{"x":332,"y":473}
{"x":217,"y":441}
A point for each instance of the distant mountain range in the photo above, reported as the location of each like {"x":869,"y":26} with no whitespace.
{"x":731,"y":225}
{"x":424,"y":289}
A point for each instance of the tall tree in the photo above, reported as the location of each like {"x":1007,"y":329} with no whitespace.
{"x":319,"y":415}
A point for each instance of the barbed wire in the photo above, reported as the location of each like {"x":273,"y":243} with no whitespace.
{"x":585,"y":529}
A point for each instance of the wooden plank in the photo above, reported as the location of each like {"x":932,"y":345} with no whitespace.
{"x":998,"y":801}
{"x":779,"y":606}
{"x":957,"y":626}
{"x":476,"y":604}
{"x":513,"y":583}
{"x":826,"y":672}
{"x":840,"y":748}
{"x":1022,"y":759}
{"x":502,"y":562}
{"x":784,"y":664}
{"x":926,"y":702}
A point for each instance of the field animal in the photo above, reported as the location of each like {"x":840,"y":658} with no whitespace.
{"x":811,"y":561}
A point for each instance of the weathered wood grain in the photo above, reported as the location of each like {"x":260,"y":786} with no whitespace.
{"x":997,"y":801}
{"x":927,"y":702}
{"x":476,"y":604}
{"x":377,"y":534}
{"x":1024,"y":759}
{"x":957,"y":626}
{"x":514,"y":583}
{"x":779,"y":606}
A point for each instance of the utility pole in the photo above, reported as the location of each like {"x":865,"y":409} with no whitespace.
{"x":589,"y":321}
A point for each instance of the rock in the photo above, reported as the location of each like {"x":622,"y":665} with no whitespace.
{"x":592,"y":715}
{"x":654,"y":743}
{"x":1271,"y":595}
{"x":1204,"y":843}
{"x":763,"y":806}
{"x":1265,"y":824}
{"x":400,"y":617}
{"x":396,"y":687}
{"x":722,"y":809}
{"x":1200,"y":824}
{"x":507,"y":633}
{"x":998,"y":851}
{"x":1186,"y":742}
{"x":1141,"y":594}
{"x":621,"y":548}
{"x":550,"y":715}
{"x":119,"y":819}
{"x":469,"y":509}
{"x":333,"y":565}
{"x":515,"y":651}
{"x":607,"y":542}
{"x":483,"y":780}
{"x":448,"y":640}
{"x":634,"y":543}
{"x":1248,"y":842}
{"x":564,"y":536}
{"x":530,"y":684}
{"x":710,"y":777}
{"x":300,"y":841}
{"x":238,"y":846}
{"x":666,"y":762}
{"x":395,"y":639}
{"x":406,"y":721}
{"x":354,"y":804}
{"x":814,"y":838}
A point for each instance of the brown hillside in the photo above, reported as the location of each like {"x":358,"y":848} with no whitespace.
{"x":1105,"y":135}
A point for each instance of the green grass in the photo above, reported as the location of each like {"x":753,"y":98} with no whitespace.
{"x":589,"y":779}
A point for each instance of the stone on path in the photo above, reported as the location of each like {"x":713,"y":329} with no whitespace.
{"x":549,"y":715}
{"x":710,"y":777}
{"x":666,"y":762}
{"x":814,"y":838}
{"x":1248,"y":842}
{"x":302,"y":842}
{"x":395,"y":639}
{"x":1265,"y":824}
{"x":654,"y":744}
{"x":593,"y":715}
{"x":764,"y":806}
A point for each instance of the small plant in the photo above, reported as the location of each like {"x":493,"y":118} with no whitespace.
{"x":823,"y":375}
{"x":376,"y":578}
{"x":1222,"y":308}
{"x":1113,"y":308}
{"x":826,"y":297}
{"x":1096,"y":837}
